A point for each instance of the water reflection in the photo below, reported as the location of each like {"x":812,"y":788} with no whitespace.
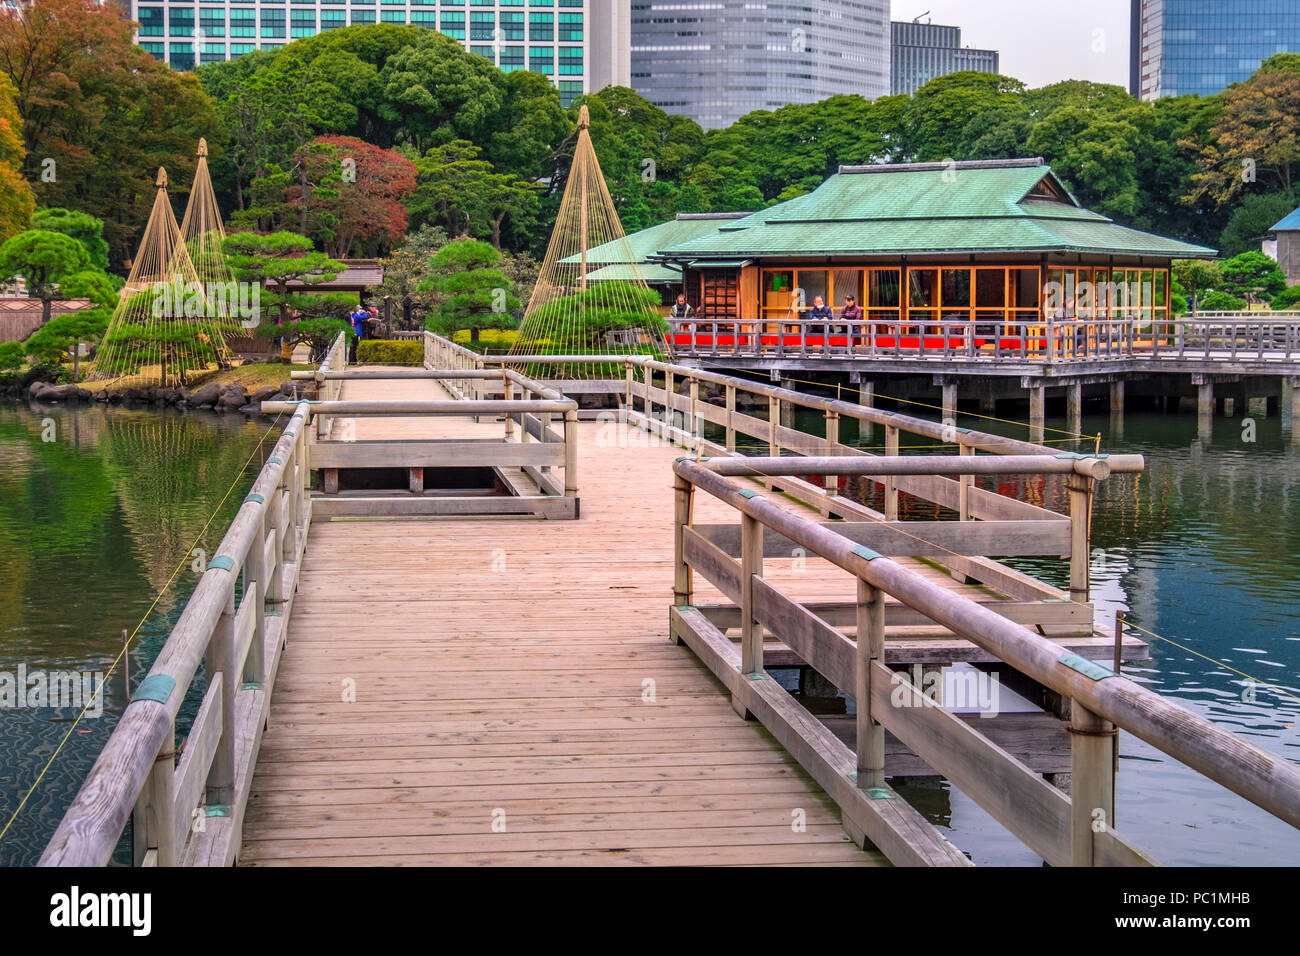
{"x":97,"y":508}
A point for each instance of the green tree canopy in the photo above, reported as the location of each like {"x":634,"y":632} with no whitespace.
{"x":473,"y":292}
{"x":41,"y":258}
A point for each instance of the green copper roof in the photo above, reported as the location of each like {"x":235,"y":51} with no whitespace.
{"x":1003,"y":206}
{"x":618,"y":256}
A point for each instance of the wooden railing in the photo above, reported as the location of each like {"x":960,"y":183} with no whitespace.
{"x":1224,"y":337}
{"x":187,"y":801}
{"x":1077,"y":829}
{"x":530,"y":442}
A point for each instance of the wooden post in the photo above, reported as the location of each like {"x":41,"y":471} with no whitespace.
{"x":571,"y":453}
{"x":649,"y":405}
{"x":256,"y":582}
{"x":948,"y":402}
{"x":1080,"y":493}
{"x":1205,"y":411}
{"x":1092,"y":801}
{"x":966,"y":481}
{"x":1074,"y":406}
{"x":627,"y":401}
{"x":891,"y":492}
{"x":670,"y":411}
{"x":866,"y":398}
{"x":415,"y":477}
{"x":697,"y":431}
{"x":731,"y":413}
{"x":158,"y":801}
{"x":774,"y":423}
{"x":870,"y":650}
{"x":1037,"y":412}
{"x":751,"y":632}
{"x":220,"y":660}
{"x":832,"y":482}
{"x":684,"y":500}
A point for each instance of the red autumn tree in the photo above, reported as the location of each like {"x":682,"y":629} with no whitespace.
{"x":354,"y":201}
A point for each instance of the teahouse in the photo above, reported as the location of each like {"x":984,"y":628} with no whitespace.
{"x":996,"y":242}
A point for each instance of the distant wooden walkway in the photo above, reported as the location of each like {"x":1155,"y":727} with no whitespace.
{"x":501,"y":671}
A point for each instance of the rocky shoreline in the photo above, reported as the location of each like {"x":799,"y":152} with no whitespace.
{"x":226,"y":397}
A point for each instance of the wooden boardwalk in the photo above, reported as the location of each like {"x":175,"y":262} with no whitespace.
{"x":502,"y":671}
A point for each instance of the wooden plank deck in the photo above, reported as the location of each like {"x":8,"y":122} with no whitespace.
{"x":500,"y":667}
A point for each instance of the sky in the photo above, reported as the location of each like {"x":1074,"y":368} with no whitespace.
{"x":1040,"y":41}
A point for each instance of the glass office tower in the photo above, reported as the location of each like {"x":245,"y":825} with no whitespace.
{"x":922,"y":51}
{"x":1204,"y":46}
{"x":717,"y":61}
{"x":556,"y":38}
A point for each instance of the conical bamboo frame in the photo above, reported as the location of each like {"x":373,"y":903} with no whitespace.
{"x":203,"y":234}
{"x":160,"y":329}
{"x":586,"y":219}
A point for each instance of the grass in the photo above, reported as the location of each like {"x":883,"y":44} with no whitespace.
{"x":487,"y":339}
{"x":253,"y":376}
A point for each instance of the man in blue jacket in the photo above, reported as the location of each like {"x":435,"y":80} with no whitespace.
{"x":358,"y":319}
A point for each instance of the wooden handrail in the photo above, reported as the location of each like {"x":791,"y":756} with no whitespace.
{"x":138,"y":762}
{"x":1263,"y":778}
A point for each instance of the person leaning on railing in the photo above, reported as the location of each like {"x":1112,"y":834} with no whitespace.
{"x":820,"y":312}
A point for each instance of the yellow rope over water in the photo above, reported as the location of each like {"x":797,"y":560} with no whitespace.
{"x":185,"y":559}
{"x":565,"y":299}
{"x":161,"y":328}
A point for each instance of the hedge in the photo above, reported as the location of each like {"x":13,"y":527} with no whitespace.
{"x":383,"y":352}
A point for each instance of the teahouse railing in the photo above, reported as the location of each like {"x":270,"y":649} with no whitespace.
{"x":1207,"y":336}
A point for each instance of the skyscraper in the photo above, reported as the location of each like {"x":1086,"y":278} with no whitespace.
{"x":581,"y":45}
{"x":921,"y":51}
{"x":1204,"y":46}
{"x":717,"y":61}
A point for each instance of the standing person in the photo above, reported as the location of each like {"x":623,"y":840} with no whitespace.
{"x":358,"y":319}
{"x":681,"y":308}
{"x":852,"y":312}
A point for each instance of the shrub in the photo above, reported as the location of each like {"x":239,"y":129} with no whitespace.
{"x":1288,"y":299}
{"x":1220,"y":301}
{"x":382,"y":352}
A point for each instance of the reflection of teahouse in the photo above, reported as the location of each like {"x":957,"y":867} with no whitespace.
{"x":916,"y":244}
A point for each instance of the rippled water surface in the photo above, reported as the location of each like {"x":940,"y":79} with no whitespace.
{"x":94,"y":522}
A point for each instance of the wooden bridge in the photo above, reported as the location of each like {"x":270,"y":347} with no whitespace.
{"x":473,"y":630}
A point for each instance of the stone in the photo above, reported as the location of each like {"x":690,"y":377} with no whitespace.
{"x":263,"y":394}
{"x":205,"y":396}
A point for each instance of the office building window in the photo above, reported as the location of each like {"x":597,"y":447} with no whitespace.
{"x":453,"y":25}
{"x":333,"y":19}
{"x":541,"y":27}
{"x":273,"y":23}
{"x":570,"y":27}
{"x":512,"y":58}
{"x":181,"y":56}
{"x":242,"y":24}
{"x":393,"y":16}
{"x":151,"y":22}
{"x":363,"y":16}
{"x":238,"y":49}
{"x":212,"y":53}
{"x":484,"y":51}
{"x":482,"y":26}
{"x":181,"y":24}
{"x":155,"y":50}
{"x":212,"y":22}
{"x":512,"y":27}
{"x":570,"y":90}
{"x":541,"y":59}
{"x":570,"y":60}
{"x":424,"y":18}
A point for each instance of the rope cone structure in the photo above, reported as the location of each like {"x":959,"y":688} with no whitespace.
{"x":162,"y":328}
{"x":203,"y":233}
{"x":574,"y":310}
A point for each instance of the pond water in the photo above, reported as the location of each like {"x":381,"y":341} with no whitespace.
{"x":98,"y":509}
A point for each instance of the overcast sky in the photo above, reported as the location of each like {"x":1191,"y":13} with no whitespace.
{"x":1041,"y":41}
